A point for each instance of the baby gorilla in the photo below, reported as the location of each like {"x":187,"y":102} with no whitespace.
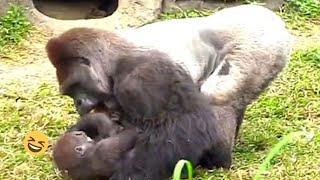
{"x":85,"y":156}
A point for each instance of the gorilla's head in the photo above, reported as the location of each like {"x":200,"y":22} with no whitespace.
{"x":85,"y":60}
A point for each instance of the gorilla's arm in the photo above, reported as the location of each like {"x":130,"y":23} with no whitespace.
{"x":97,"y":126}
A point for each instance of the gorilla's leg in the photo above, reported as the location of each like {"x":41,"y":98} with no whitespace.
{"x":219,"y":157}
{"x":239,"y":116}
{"x":221,"y":153}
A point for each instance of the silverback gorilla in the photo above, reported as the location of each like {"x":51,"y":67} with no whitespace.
{"x":232,"y":55}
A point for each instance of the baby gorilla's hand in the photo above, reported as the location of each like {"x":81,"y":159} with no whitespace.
{"x":97,"y":126}
{"x":115,"y":116}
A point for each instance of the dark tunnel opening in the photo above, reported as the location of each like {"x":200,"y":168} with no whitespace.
{"x":76,"y":9}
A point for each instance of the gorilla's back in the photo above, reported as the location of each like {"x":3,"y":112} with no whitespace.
{"x":186,"y":40}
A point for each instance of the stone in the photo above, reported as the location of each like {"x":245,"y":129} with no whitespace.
{"x":178,"y":5}
{"x":130,"y":13}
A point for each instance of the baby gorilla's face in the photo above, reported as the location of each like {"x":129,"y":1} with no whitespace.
{"x":71,"y":150}
{"x":75,"y":151}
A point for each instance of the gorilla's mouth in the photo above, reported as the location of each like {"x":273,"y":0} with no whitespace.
{"x":34,"y":148}
{"x":98,"y":108}
{"x":89,"y":139}
{"x":104,"y":107}
{"x":93,"y":110}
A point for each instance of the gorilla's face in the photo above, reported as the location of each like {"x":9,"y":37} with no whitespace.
{"x":70,"y":149}
{"x":83,"y":66}
{"x":87,"y":89}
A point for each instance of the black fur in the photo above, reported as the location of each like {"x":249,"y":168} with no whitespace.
{"x":161,"y":99}
{"x":86,"y":159}
{"x":176,"y":120}
{"x":97,"y":126}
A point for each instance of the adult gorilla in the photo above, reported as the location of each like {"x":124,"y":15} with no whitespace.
{"x":233,"y":55}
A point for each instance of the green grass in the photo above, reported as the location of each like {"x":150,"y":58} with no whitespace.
{"x":14,"y":26}
{"x":276,"y":150}
{"x":302,"y":15}
{"x":290,"y":104}
{"x":23,"y":110}
{"x":306,"y":8}
{"x":185,"y":14}
{"x":180,"y":166}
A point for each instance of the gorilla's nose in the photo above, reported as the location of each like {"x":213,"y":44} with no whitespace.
{"x":84,"y":106}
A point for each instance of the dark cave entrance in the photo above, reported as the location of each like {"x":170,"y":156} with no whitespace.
{"x":76,"y":9}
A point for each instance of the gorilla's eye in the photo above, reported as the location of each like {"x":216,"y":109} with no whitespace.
{"x":78,"y":60}
{"x":84,"y":60}
{"x":71,"y":89}
{"x":78,"y":133}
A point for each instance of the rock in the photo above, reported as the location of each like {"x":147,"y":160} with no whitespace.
{"x":3,"y":7}
{"x":129,"y":13}
{"x":174,"y":5}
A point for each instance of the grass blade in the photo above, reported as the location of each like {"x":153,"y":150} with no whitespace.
{"x":179,"y":167}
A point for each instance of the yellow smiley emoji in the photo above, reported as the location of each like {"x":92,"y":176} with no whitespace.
{"x":36,"y":143}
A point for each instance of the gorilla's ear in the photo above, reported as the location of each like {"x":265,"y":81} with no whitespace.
{"x":54,"y":49}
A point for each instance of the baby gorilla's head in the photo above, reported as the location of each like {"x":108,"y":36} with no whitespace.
{"x":73,"y":151}
{"x":80,"y":157}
